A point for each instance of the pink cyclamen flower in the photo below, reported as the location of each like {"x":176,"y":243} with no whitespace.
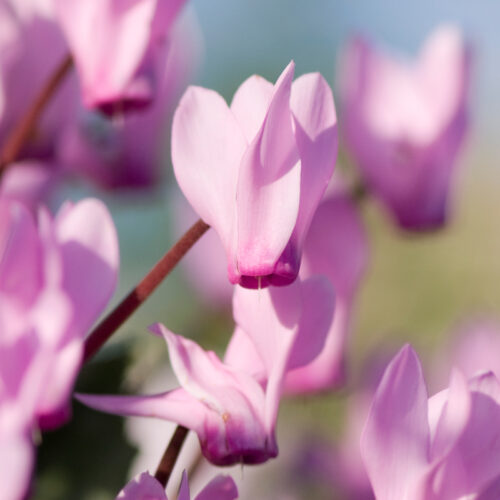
{"x":336,"y":246}
{"x":27,"y":30}
{"x":146,"y":487}
{"x":127,"y":152}
{"x":444,"y":447}
{"x":55,"y":279}
{"x":405,"y":122}
{"x":119,"y":48}
{"x":256,"y":170}
{"x":233,"y":406}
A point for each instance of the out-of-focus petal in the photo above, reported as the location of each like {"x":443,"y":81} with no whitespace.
{"x":315,"y":122}
{"x":219,"y":488}
{"x":90,"y":254}
{"x":395,"y":441}
{"x":143,"y":487}
{"x":16,"y":464}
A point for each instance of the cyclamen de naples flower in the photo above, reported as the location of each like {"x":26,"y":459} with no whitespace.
{"x":56,"y":277}
{"x":27,"y":29}
{"x":405,"y":123}
{"x":128,"y":152}
{"x":233,"y":406}
{"x":146,"y":487}
{"x":257,"y":170}
{"x":335,"y":246}
{"x":119,"y":48}
{"x":444,"y":447}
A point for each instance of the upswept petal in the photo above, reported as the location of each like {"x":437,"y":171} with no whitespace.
{"x":242,"y":353}
{"x":143,"y":487}
{"x":178,"y":406}
{"x":89,"y":246}
{"x":318,"y":303}
{"x":207,"y":147}
{"x":395,"y":440}
{"x":250,"y":104}
{"x":268,"y":191}
{"x":206,"y":378}
{"x":270,"y":317}
{"x":316,"y":135}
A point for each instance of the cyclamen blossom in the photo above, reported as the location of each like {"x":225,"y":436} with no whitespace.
{"x":146,"y":487}
{"x":405,"y":122}
{"x":27,"y":29}
{"x":233,"y":406}
{"x":55,"y":279}
{"x":443,"y":447}
{"x":127,"y":152}
{"x":256,"y":171}
{"x":119,"y":48}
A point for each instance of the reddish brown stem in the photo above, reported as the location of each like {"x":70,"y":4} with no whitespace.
{"x":103,"y":331}
{"x":171,"y":454}
{"x":25,"y":127}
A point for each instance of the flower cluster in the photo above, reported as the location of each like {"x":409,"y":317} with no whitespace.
{"x":258,"y":173}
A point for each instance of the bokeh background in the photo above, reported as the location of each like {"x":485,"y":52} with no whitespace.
{"x":418,"y":288}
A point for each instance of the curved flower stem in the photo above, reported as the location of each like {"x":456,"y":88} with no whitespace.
{"x":103,"y":331}
{"x":24,"y":128}
{"x":171,"y":454}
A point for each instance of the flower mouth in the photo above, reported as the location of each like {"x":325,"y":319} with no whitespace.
{"x":249,"y":456}
{"x":274,"y":279}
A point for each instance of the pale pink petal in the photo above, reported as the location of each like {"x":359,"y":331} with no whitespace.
{"x":21,"y":274}
{"x":204,"y":376}
{"x":454,"y":416}
{"x":16,"y":465}
{"x":395,"y":440}
{"x":268,"y":191}
{"x":250,"y":104}
{"x":242,"y":353}
{"x":143,"y":487}
{"x":89,"y":245}
{"x":207,"y":147}
{"x":327,"y":370}
{"x":219,"y":488}
{"x":29,"y":182}
{"x":472,"y":462}
{"x":318,"y":302}
{"x":53,"y":408}
{"x":316,"y":135}
{"x":270,"y":318}
{"x":177,"y":406}
{"x":337,"y":245}
{"x":116,"y":45}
